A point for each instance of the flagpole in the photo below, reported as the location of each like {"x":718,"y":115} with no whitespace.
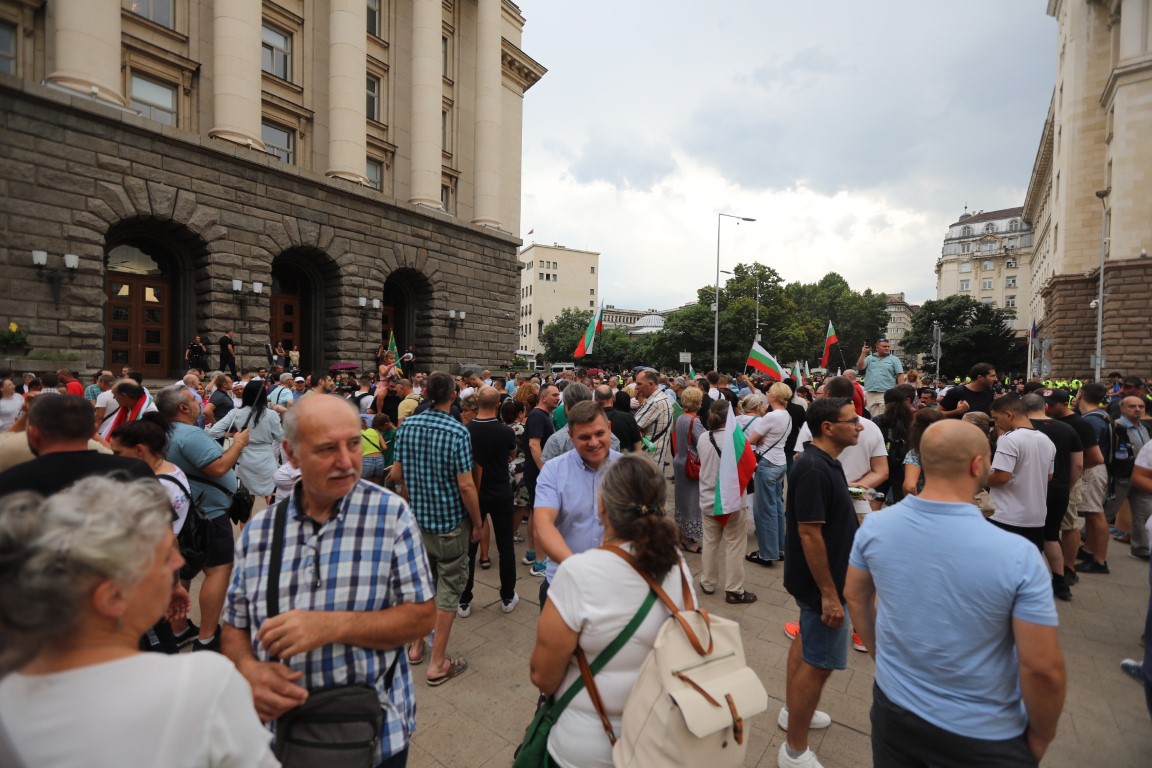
{"x":1031,"y":344}
{"x":840,"y":349}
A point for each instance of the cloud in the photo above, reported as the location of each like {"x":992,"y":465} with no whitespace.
{"x":625,"y":161}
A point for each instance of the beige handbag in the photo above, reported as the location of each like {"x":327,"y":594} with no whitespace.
{"x":694,"y":695}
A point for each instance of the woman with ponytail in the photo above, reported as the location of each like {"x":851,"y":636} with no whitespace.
{"x":594,"y":596}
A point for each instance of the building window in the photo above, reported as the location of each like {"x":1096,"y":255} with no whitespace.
{"x":1013,"y":225}
{"x":987,"y":247}
{"x":989,"y":228}
{"x":154,"y":100}
{"x":592,"y":304}
{"x":541,"y":263}
{"x":279,"y":141}
{"x":7,"y":48}
{"x":986,"y":284}
{"x":541,"y":276}
{"x":988,"y":266}
{"x":1010,"y":281}
{"x":966,"y":232}
{"x":965,"y":247}
{"x":159,"y":11}
{"x":1010,"y":302}
{"x":277,"y":58}
{"x":374,"y":171}
{"x":374,"y":17}
{"x":1010,"y":264}
{"x":965,"y":285}
{"x":966,"y":266}
{"x":372,"y":98}
{"x":593,"y":270}
{"x":591,"y":291}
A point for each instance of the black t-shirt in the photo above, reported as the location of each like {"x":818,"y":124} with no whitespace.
{"x":390,"y":405}
{"x":225,"y":343}
{"x":56,"y":471}
{"x":222,"y":404}
{"x":797,"y":412}
{"x":1083,"y":430}
{"x":1067,"y":442}
{"x":538,"y":425}
{"x":624,"y":427}
{"x":977,"y":401}
{"x":196,"y":354}
{"x":818,"y":493}
{"x":492,"y":443}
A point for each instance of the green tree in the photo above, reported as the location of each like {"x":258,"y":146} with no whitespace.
{"x":560,"y":337}
{"x":971,"y":332}
{"x":858,"y":317}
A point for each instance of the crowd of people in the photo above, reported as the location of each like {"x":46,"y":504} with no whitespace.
{"x":383,"y":493}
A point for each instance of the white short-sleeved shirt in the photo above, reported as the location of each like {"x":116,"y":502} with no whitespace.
{"x":1030,"y":456}
{"x":180,"y":500}
{"x":186,"y":710}
{"x":855,"y":459}
{"x":597,"y":593}
{"x":774,"y":426}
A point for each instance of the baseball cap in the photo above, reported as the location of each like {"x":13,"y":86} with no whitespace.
{"x":1055,"y":396}
{"x":298,"y":378}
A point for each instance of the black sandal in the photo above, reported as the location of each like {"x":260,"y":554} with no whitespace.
{"x":739,"y":598}
{"x":754,"y":557}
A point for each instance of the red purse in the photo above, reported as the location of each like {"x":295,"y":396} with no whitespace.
{"x":692,"y":467}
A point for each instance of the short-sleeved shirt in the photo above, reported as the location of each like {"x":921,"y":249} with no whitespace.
{"x":1030,"y":457}
{"x":856,"y":460}
{"x":492,"y":443}
{"x":624,"y":428}
{"x":538,"y":425}
{"x":221,"y":403}
{"x":368,"y":556}
{"x":1101,"y":426}
{"x":53,"y":472}
{"x":1084,"y":431}
{"x":817,"y":493}
{"x":1067,"y":442}
{"x":930,"y":606}
{"x":91,"y":392}
{"x":225,"y":342}
{"x":774,"y":427}
{"x":191,"y":449}
{"x":1144,"y":458}
{"x":433,"y":448}
{"x":880,"y":372}
{"x":569,"y":485}
{"x":977,"y":401}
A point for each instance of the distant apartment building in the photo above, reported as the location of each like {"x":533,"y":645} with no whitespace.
{"x":899,"y":322}
{"x":553,"y":278}
{"x":988,"y":255}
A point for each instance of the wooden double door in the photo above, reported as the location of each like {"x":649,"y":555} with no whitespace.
{"x":140,"y":324}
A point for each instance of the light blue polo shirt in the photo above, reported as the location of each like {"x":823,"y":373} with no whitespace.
{"x":880,"y":372}
{"x":949,"y":585}
{"x":568,"y":484}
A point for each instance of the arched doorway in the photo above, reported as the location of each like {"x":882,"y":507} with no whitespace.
{"x":406,"y":312}
{"x":304,"y":282}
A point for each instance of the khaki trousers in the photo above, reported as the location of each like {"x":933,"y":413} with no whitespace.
{"x":724,"y":547}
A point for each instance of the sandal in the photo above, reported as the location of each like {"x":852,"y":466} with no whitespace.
{"x":456,"y":668}
{"x":739,"y":598}
{"x":754,"y":557}
{"x":694,"y":549}
{"x":419,"y":659}
{"x":485,"y":564}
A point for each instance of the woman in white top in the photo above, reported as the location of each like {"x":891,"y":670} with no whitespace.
{"x":257,"y":465}
{"x":723,"y":556}
{"x":593,"y":596}
{"x":10,"y":404}
{"x":86,"y":573}
{"x":767,"y":436}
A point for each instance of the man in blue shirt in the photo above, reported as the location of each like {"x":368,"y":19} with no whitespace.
{"x":881,"y":372}
{"x":965,"y":636}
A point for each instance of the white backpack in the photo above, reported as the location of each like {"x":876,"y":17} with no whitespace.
{"x":692,"y":701}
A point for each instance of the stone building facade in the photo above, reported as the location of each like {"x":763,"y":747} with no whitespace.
{"x":1091,"y":184}
{"x":899,"y":323}
{"x":214,"y":171}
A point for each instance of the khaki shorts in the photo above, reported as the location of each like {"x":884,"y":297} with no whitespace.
{"x":1093,"y":490}
{"x":448,"y":557}
{"x":1070,"y":516}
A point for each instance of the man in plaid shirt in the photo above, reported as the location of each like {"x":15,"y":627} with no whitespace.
{"x":433,"y":471}
{"x":354,"y":587}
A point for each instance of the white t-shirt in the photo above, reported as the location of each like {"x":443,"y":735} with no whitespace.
{"x":185,"y":711}
{"x":1031,"y":458}
{"x":10,"y":411}
{"x":597,"y":593}
{"x":180,"y":500}
{"x":106,"y":401}
{"x":774,"y":426}
{"x":855,"y":459}
{"x":285,"y":479}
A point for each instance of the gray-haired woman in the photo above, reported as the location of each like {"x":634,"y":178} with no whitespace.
{"x":86,"y":572}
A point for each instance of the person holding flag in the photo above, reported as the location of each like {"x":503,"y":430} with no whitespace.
{"x":830,"y":338}
{"x":726,"y":466}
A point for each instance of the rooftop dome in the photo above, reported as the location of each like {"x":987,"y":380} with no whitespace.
{"x":648,"y":324}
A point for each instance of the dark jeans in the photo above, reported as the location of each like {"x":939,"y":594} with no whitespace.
{"x":398,"y":760}
{"x":902,"y":739}
{"x":500,"y":513}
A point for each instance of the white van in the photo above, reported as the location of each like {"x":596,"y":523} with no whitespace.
{"x":561,"y":367}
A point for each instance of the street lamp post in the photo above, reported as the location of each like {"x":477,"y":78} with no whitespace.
{"x":1098,"y":363}
{"x":716,"y":296}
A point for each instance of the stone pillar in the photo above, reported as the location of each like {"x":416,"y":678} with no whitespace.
{"x":489,"y":124}
{"x":236,"y":79}
{"x":86,"y":34}
{"x":427,"y":101}
{"x":347,"y":56}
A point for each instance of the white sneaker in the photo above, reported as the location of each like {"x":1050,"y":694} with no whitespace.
{"x":464,"y":610}
{"x":820,"y":720}
{"x":510,"y":605}
{"x":806,"y":760}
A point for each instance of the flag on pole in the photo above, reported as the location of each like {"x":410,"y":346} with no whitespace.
{"x":589,"y":338}
{"x":830,"y":338}
{"x":1032,"y":333}
{"x":737,"y":464}
{"x":798,"y":374}
{"x":691,"y":372}
{"x":759,"y":359}
{"x":393,"y":350}
{"x":531,"y":231}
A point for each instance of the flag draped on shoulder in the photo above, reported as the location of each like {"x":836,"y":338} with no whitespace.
{"x":759,"y":359}
{"x":830,"y":338}
{"x":589,"y":338}
{"x":394,"y":351}
{"x":737,"y":463}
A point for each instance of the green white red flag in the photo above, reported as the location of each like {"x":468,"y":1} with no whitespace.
{"x":691,"y":372}
{"x":594,"y":327}
{"x":798,"y":374}
{"x":830,"y":338}
{"x":759,"y":359}
{"x":737,"y":463}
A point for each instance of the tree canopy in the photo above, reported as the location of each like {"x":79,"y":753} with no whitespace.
{"x":971,"y":332}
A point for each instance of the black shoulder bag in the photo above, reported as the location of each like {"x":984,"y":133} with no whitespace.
{"x":240,"y":510}
{"x":335,"y":726}
{"x":195,"y":536}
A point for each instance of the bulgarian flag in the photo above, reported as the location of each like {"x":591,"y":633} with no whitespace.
{"x":395,"y":352}
{"x":691,"y":372}
{"x":798,"y":374}
{"x":737,"y":463}
{"x":759,"y":359}
{"x":830,"y":338}
{"x":594,"y":327}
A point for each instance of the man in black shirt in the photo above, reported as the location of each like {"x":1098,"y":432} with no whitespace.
{"x":976,"y":395}
{"x":58,"y":432}
{"x":1067,"y":467}
{"x":538,"y":428}
{"x":821,"y":525}
{"x":228,"y":354}
{"x":1056,"y":407}
{"x":493,"y":446}
{"x":196,"y":356}
{"x":623,"y":424}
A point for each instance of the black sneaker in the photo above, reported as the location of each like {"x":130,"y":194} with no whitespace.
{"x":188,"y":635}
{"x":1083,"y":554}
{"x":1060,"y":587}
{"x":1071,"y":578}
{"x":1092,"y":566}
{"x":211,"y":645}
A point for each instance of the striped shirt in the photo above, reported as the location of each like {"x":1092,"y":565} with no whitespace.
{"x":368,"y":556}
{"x":433,"y":448}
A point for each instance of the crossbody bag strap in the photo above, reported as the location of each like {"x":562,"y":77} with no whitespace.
{"x":217,"y":486}
{"x":275,"y":557}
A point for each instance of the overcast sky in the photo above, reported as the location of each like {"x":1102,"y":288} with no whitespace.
{"x":854,"y":133}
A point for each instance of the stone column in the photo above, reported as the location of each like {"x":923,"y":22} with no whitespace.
{"x":86,"y":34}
{"x":347,"y":57}
{"x":427,"y":101}
{"x":236,"y":78}
{"x":489,"y":124}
